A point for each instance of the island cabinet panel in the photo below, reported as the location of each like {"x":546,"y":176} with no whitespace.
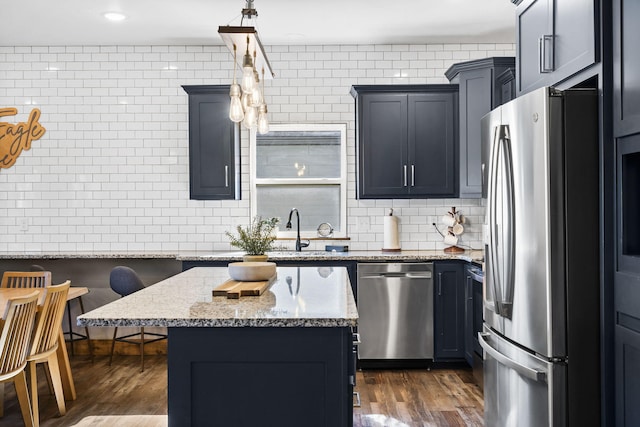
{"x":484,"y":85}
{"x":555,"y":40}
{"x":214,"y":144}
{"x":407,"y":138}
{"x":263,"y":376}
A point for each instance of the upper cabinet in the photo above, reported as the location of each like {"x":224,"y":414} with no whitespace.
{"x":484,"y":85}
{"x":214,"y":144}
{"x":555,"y":39}
{"x":406,"y":141}
{"x":626,"y":67}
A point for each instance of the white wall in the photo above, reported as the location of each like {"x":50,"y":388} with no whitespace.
{"x":111,"y":172}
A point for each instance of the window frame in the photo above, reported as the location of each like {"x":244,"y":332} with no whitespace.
{"x":255,"y":182}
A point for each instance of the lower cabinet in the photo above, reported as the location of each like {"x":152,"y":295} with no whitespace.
{"x":449,"y":288}
{"x":627,"y":372}
{"x":472,"y":313}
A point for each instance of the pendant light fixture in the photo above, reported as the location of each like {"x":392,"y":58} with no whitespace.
{"x":263,"y":122}
{"x":236,"y":112}
{"x":247,"y":98}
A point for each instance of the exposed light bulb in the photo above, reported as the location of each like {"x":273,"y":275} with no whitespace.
{"x":248,"y":80}
{"x":256,"y":96}
{"x":236,"y":113}
{"x":250,"y":118}
{"x":263,"y":122}
{"x":247,"y":100}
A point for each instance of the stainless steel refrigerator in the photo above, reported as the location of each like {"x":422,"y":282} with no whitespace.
{"x":540,"y":335}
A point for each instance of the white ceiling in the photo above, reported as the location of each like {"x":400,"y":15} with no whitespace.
{"x":303,"y":22}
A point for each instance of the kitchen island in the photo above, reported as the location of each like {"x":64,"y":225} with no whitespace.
{"x":284,"y":358}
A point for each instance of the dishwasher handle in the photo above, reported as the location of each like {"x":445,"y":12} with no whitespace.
{"x":392,"y":274}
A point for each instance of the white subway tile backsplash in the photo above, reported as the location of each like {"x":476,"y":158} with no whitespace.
{"x":111,"y":173}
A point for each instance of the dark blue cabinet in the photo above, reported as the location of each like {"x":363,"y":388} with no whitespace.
{"x":555,"y":40}
{"x":449,"y":302}
{"x":472,"y":313}
{"x":626,"y":129}
{"x":237,"y":376}
{"x":406,"y":141}
{"x":214,"y":144}
{"x":480,"y":91}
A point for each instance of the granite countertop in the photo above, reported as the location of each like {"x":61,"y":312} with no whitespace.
{"x":299,"y":297}
{"x":365,"y":256}
{"x":309,"y":255}
{"x":87,"y":255}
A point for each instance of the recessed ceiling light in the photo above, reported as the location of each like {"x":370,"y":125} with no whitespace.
{"x":114,"y":16}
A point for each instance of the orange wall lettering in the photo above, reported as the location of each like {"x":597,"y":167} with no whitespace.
{"x":17,"y":137}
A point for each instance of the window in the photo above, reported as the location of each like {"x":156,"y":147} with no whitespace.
{"x":301,"y":166}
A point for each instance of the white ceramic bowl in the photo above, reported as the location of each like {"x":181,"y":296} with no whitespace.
{"x":252,"y":271}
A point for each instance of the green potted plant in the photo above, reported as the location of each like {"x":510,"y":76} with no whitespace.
{"x":255,"y":239}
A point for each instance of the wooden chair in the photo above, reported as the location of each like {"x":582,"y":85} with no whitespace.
{"x":72,"y":334}
{"x":14,"y":347}
{"x":25,"y":279}
{"x":45,"y":343}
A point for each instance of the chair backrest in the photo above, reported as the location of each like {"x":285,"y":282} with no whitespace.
{"x":16,"y":333}
{"x":124,"y":281}
{"x":26,"y":279}
{"x":49,"y":319}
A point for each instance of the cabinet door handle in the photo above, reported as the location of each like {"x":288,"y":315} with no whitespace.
{"x":356,"y":339}
{"x":439,"y":284}
{"x":542,"y":54}
{"x":226,"y":175}
{"x":413,"y":176}
{"x":469,"y":289}
{"x":404,"y":169}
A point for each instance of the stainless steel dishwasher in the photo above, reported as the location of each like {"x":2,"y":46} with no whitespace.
{"x":395,"y":307}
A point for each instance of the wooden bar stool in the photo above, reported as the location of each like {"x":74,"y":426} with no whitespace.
{"x":124,"y":281}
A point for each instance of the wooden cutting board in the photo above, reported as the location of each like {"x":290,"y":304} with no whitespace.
{"x":234,"y":289}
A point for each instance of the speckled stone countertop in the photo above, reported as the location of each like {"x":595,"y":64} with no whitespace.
{"x":365,"y":256}
{"x":87,"y":255}
{"x":299,"y":297}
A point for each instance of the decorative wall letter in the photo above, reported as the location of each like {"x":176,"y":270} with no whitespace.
{"x":18,"y":137}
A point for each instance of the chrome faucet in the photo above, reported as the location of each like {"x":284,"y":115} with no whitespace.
{"x":299,"y":244}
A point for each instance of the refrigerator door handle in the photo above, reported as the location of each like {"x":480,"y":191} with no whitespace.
{"x":523,"y":370}
{"x":507,"y":282}
{"x":502,"y":163}
{"x":493,"y":271}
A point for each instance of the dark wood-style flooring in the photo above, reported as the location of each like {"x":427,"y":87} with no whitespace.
{"x":122,"y":396}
